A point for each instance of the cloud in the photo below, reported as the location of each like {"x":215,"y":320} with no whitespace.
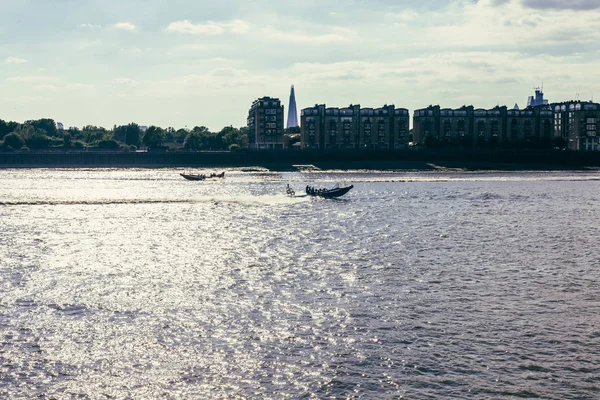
{"x":563,"y":5}
{"x":124,"y":82}
{"x":218,"y":80}
{"x":32,"y":78}
{"x":130,"y":50}
{"x":27,"y":99}
{"x":15,"y":60}
{"x":479,"y":24}
{"x":90,"y":26}
{"x":227,"y":72}
{"x":79,"y":86}
{"x":126,"y":26}
{"x":210,"y":28}
{"x":47,"y":87}
{"x":271,"y":33}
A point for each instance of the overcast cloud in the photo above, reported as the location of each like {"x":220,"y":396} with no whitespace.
{"x":190,"y":62}
{"x":563,"y":5}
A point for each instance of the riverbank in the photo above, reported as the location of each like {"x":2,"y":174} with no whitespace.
{"x":324,"y":160}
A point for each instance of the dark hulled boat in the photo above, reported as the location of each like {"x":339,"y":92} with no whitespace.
{"x":194,"y":177}
{"x":329,"y":193}
{"x":334,"y":192}
{"x":201,"y":177}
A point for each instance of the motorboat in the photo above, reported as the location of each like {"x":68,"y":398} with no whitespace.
{"x":336,"y":191}
{"x":213,"y":175}
{"x":201,"y":177}
{"x":189,"y":177}
{"x":325,"y":193}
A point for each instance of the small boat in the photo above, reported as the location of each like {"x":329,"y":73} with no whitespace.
{"x":213,"y":175}
{"x":201,"y":177}
{"x":336,"y":191}
{"x":189,"y":177}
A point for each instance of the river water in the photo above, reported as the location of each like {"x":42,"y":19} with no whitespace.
{"x":138,"y":284}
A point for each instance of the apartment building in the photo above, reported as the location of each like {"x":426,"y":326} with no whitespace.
{"x":265,"y":124}
{"x":456,"y":126}
{"x":354,"y":127}
{"x":497,"y":127}
{"x":312,"y":127}
{"x":576,"y":123}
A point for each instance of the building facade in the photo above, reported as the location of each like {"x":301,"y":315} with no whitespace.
{"x":265,"y":124}
{"x":312,"y":127}
{"x":496,"y":127}
{"x":354,"y":127}
{"x":572,"y":125}
{"x":576,"y":123}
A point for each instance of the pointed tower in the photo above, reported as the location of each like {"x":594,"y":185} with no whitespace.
{"x":292,"y":120}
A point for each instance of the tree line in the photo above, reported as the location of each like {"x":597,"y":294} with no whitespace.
{"x":43,"y":133}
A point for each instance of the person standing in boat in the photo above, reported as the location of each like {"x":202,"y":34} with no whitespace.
{"x":289,"y":190}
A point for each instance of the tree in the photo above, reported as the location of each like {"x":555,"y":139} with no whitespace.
{"x":39,"y":139}
{"x":130,"y":134}
{"x":119,"y":133}
{"x":154,"y":137}
{"x":93,"y":134}
{"x":46,"y":124}
{"x":14,"y":140}
{"x":7,"y":127}
{"x":108,"y":144}
{"x":208,"y":139}
{"x":169,"y":134}
{"x":67,"y":142}
{"x":133,"y":134}
{"x":193,"y":141}
{"x":179,"y":135}
{"x":230,"y":136}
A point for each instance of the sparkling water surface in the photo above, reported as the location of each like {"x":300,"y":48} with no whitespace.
{"x":138,"y":284}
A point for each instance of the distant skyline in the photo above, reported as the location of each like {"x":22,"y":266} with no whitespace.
{"x":185,"y":63}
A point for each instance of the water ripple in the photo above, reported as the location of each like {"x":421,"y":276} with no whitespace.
{"x":138,"y":284}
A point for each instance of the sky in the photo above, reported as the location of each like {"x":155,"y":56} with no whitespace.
{"x":194,"y":62}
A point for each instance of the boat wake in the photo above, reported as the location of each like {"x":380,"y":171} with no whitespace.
{"x":252,"y":200}
{"x":89,"y":202}
{"x":258,"y":200}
